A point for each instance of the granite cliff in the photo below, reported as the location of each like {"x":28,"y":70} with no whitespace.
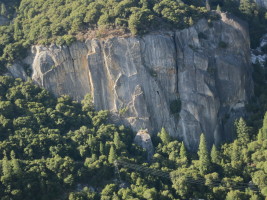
{"x":143,"y":80}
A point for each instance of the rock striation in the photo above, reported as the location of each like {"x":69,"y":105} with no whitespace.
{"x":144,"y":80}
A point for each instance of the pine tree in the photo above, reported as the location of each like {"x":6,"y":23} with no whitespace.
{"x":15,"y":164}
{"x":3,"y":10}
{"x":218,"y":9}
{"x":6,"y":167}
{"x":262,"y":135}
{"x":90,"y":140}
{"x":242,"y":131}
{"x":112,"y":154}
{"x":16,"y":167}
{"x":215,"y":156}
{"x":204,"y":158}
{"x":6,"y":178}
{"x":87,"y":103}
{"x":94,"y":157}
{"x":191,"y":22}
{"x":235,"y":154}
{"x":117,"y":140}
{"x":183,"y":153}
{"x":12,"y":155}
{"x":164,"y":136}
{"x":101,"y":149}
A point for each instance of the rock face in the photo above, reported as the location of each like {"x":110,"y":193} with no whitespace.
{"x":261,"y":3}
{"x":3,"y":20}
{"x":206,"y":68}
{"x":259,"y":54}
{"x":143,"y":140}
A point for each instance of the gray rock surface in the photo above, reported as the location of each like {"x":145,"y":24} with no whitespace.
{"x":17,"y":70}
{"x":258,"y":55}
{"x":143,"y":140}
{"x":261,"y":3}
{"x":3,"y":20}
{"x":206,"y":66}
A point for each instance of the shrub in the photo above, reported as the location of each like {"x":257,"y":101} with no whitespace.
{"x":153,"y":73}
{"x":211,"y":70}
{"x":222,"y":44}
{"x":175,"y":106}
{"x":69,"y":39}
{"x":202,"y":36}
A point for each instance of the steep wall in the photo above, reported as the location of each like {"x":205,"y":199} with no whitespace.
{"x":206,"y":66}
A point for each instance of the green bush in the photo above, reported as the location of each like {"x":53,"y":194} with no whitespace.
{"x":222,"y":44}
{"x":175,"y":106}
{"x":153,"y":73}
{"x":68,"y":39}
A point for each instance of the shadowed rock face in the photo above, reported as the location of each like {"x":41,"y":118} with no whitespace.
{"x":143,"y":140}
{"x":3,"y":21}
{"x":206,"y":66}
{"x":261,"y":3}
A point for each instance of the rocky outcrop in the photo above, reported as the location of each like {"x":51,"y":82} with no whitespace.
{"x":205,"y":68}
{"x":143,"y":140}
{"x":259,"y":55}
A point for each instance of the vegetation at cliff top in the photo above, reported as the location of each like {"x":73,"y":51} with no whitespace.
{"x":46,"y":21}
{"x":56,"y":148}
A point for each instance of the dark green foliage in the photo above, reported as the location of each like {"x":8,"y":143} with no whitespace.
{"x":222,"y":44}
{"x":262,"y":135}
{"x":112,"y":155}
{"x":56,"y":148}
{"x":47,"y":21}
{"x":153,"y":73}
{"x":49,"y":142}
{"x":164,"y":136}
{"x":175,"y":106}
{"x":218,"y":9}
{"x":53,"y":146}
{"x":3,"y":10}
{"x":243,"y":131}
{"x":204,"y":157}
{"x":202,"y":36}
{"x":258,"y":106}
{"x":215,"y":155}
